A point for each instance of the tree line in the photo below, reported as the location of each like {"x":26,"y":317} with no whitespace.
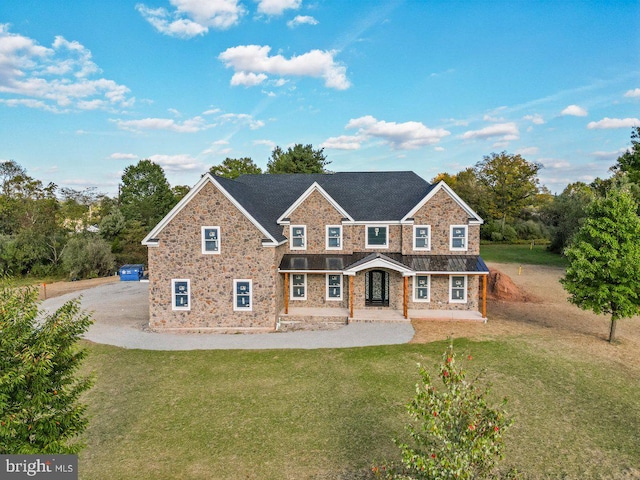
{"x":47,"y":231}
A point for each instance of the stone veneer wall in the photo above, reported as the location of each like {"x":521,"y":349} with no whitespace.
{"x":441,"y":211}
{"x":179,"y":256}
{"x":440,"y":295}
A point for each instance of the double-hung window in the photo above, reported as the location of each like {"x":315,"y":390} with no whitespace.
{"x":210,"y":240}
{"x":242,"y":290}
{"x":298,"y":237}
{"x":421,"y":237}
{"x":377,"y":236}
{"x":458,"y":289}
{"x":422,"y":284}
{"x":334,"y":287}
{"x":458,"y":237}
{"x":299,"y":286}
{"x":180,"y":294}
{"x":334,"y":237}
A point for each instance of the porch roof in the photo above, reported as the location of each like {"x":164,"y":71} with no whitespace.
{"x":419,"y":264}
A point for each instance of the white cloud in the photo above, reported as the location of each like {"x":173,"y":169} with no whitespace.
{"x":315,"y":63}
{"x":507,"y":131}
{"x":635,"y":93}
{"x":242,"y":118}
{"x":277,"y":7}
{"x":554,"y":163}
{"x":177,"y":163}
{"x":608,"y":156}
{"x":536,"y":119}
{"x":55,"y":79}
{"x":123,"y":156}
{"x":247,"y":79}
{"x":192,"y":125}
{"x":607,"y":123}
{"x":401,"y":136}
{"x":267,"y":143}
{"x":302,"y":20}
{"x":343,"y":142}
{"x":574,"y":110}
{"x":528,"y":151}
{"x":193,"y":17}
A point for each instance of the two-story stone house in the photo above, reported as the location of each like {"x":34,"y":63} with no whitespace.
{"x":263,"y":252}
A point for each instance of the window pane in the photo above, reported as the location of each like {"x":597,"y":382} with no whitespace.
{"x":377,"y":235}
{"x":211,"y":233}
{"x":298,"y":279}
{"x":182,"y":300}
{"x":180,"y":287}
{"x":242,"y":301}
{"x":242,"y":288}
{"x":298,"y":232}
{"x":334,"y":280}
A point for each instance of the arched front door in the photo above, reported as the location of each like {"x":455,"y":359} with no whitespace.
{"x":377,"y":288}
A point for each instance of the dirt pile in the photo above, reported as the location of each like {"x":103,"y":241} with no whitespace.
{"x":501,"y":287}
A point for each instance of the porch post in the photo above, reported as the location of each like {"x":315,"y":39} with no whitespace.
{"x":286,"y":293}
{"x":405,"y":297}
{"x":484,"y":296}
{"x":350,"y":296}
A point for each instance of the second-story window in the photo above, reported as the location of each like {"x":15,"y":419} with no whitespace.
{"x":298,"y":237}
{"x":421,"y":237}
{"x":210,"y":240}
{"x":458,"y":237}
{"x":377,"y":236}
{"x":334,"y":237}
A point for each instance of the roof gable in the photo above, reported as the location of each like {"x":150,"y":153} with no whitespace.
{"x":473,"y":216}
{"x":300,"y":200}
{"x":150,"y":239}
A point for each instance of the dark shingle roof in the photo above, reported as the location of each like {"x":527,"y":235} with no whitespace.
{"x":365,"y":196}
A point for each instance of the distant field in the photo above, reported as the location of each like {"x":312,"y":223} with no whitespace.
{"x":330,"y":414}
{"x":538,"y":255}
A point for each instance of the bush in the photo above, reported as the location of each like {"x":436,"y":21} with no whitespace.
{"x":39,"y":391}
{"x":88,"y":256}
{"x":455,"y":434}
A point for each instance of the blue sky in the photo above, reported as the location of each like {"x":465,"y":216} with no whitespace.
{"x":90,"y":87}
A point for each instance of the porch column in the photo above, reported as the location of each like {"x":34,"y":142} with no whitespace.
{"x":484,"y":296}
{"x":286,"y":292}
{"x":350,"y":296}
{"x":405,"y":298}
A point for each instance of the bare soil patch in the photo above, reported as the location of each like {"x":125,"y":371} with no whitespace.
{"x":536,"y":309}
{"x":56,"y":289}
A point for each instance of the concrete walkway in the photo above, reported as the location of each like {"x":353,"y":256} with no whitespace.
{"x":120,"y":311}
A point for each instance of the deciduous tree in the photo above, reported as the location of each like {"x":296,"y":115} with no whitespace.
{"x":511,"y":182}
{"x":234,"y":167}
{"x":604,"y":259}
{"x":40,"y":389}
{"x":145,"y":194}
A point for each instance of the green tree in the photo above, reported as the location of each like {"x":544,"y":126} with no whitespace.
{"x":465,"y":183}
{"x":604,"y":259}
{"x":40,"y":408}
{"x":629,"y":162}
{"x":112,"y":224}
{"x":511,"y":183}
{"x":234,"y":167}
{"x":145,"y":194}
{"x":87,"y":256}
{"x":454,"y":433}
{"x":179,"y":192}
{"x":565,"y":214}
{"x":298,"y":159}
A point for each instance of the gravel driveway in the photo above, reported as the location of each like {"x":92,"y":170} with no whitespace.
{"x":121,"y":314}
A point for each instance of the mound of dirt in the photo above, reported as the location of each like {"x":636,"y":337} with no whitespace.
{"x":501,"y":287}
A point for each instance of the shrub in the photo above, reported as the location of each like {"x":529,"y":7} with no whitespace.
{"x":87,"y":256}
{"x":454,"y":433}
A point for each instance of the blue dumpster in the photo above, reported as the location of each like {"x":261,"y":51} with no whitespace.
{"x":131,"y":273}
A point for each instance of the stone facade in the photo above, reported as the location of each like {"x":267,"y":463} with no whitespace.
{"x":242,"y":256}
{"x":178,"y":255}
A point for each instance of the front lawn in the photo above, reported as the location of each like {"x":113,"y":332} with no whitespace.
{"x":331,"y":414}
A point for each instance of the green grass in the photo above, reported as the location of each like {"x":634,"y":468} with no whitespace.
{"x":331,"y":414}
{"x":521,"y":253}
